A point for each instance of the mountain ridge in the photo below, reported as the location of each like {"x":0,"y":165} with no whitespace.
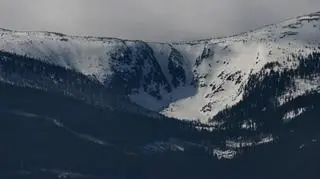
{"x":174,"y":42}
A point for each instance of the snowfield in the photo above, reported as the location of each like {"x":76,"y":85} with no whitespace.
{"x":215,"y":70}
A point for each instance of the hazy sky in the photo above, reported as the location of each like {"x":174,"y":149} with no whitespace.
{"x":151,"y":20}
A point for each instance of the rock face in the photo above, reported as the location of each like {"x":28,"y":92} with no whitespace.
{"x":188,"y":80}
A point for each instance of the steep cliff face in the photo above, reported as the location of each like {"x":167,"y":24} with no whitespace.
{"x":187,"y":80}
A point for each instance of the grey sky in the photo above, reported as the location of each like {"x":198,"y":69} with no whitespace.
{"x":151,"y":20}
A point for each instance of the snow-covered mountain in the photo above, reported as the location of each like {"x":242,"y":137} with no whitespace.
{"x":187,"y":80}
{"x":256,"y":93}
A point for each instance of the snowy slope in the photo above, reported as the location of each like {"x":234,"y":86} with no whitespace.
{"x":187,"y":80}
{"x":87,"y":56}
{"x":225,"y":64}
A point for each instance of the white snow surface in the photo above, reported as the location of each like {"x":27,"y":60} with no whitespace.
{"x":221,"y":75}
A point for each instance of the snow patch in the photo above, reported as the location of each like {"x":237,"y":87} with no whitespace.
{"x":238,"y":144}
{"x":224,"y":154}
{"x":293,"y":114}
{"x":301,"y":87}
